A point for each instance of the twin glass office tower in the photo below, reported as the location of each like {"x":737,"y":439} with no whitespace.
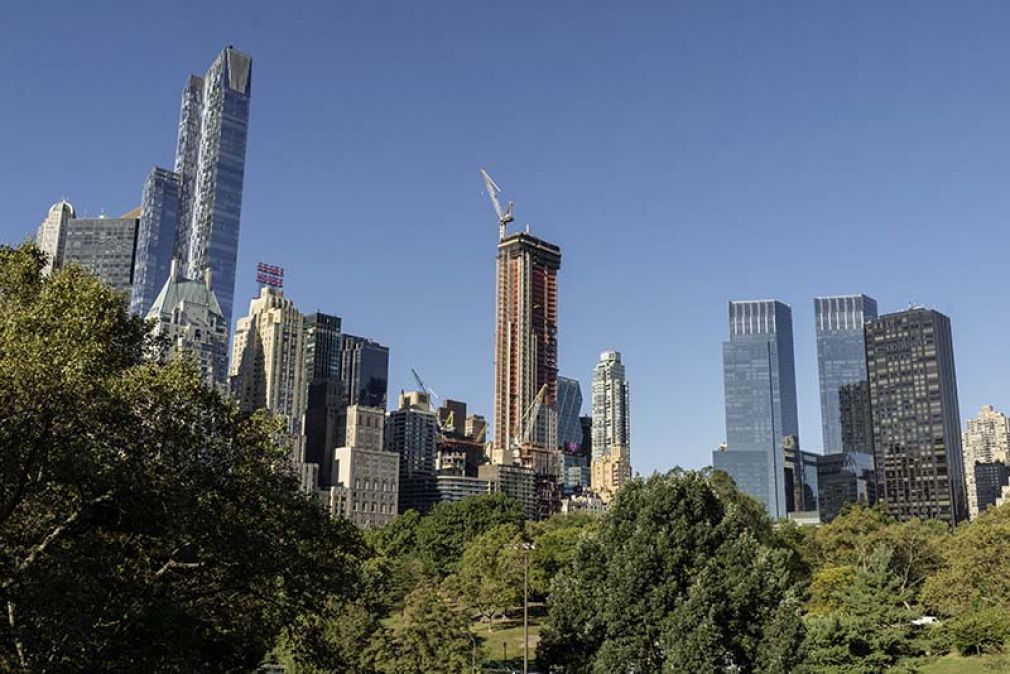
{"x":192,"y":213}
{"x":760,"y":386}
{"x":846,"y":422}
{"x":760,"y":382}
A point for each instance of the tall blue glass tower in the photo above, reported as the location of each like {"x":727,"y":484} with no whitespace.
{"x":846,"y":421}
{"x":203,"y":224}
{"x":569,"y":407}
{"x":760,"y":387}
{"x":156,"y":236}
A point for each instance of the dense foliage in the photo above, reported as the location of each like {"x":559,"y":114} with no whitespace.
{"x":144,"y":523}
{"x":679,"y":576}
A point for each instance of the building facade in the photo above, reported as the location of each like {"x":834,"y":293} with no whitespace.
{"x":526,"y":343}
{"x":611,"y":405}
{"x":760,"y":395}
{"x":459,"y":487}
{"x":916,"y":422}
{"x":206,"y":188}
{"x":610,"y":472}
{"x":515,"y":481}
{"x":366,"y":486}
{"x":989,"y":479}
{"x":267,"y":369}
{"x":412,"y":433}
{"x":569,"y":408}
{"x":325,"y":420}
{"x":844,"y":478}
{"x":51,"y":233}
{"x":189,"y":319}
{"x":846,"y":420}
{"x":104,"y":246}
{"x":986,"y":440}
{"x":156,"y":238}
{"x":364,"y":369}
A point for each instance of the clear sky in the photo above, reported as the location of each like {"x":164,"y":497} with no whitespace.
{"x":682,"y":154}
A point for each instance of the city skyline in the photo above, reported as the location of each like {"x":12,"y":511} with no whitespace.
{"x":576,"y":210}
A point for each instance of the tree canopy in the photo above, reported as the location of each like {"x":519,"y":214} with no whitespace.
{"x":681,"y":574}
{"x":144,"y":522}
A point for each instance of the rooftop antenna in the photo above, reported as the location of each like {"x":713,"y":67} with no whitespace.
{"x":504,"y":216}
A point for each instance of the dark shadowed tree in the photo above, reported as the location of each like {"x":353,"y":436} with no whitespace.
{"x":145,"y":525}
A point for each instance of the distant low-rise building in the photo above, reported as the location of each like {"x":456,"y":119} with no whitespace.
{"x":986,"y":440}
{"x":516,"y":481}
{"x":365,"y":476}
{"x":610,"y":472}
{"x":990,"y":479}
{"x":582,"y":503}
{"x":459,"y":487}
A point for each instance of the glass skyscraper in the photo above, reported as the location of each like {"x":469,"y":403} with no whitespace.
{"x":569,"y":407}
{"x":195,"y":217}
{"x":364,"y":368}
{"x":760,"y":387}
{"x":846,"y":422}
{"x":159,"y":215}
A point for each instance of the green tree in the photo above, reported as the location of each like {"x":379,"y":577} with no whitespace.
{"x":344,"y":637}
{"x":490,"y":579}
{"x":431,"y":637}
{"x":830,"y":588}
{"x":555,"y":543}
{"x":976,"y":567}
{"x":682,"y":574}
{"x":980,"y":631}
{"x":871,"y":631}
{"x":444,"y":532}
{"x":144,"y":523}
{"x":850,"y":538}
{"x":396,"y":539}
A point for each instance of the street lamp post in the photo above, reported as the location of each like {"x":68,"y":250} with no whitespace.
{"x":526,"y":547}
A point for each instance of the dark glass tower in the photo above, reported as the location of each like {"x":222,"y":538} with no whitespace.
{"x":916,"y":421}
{"x":199,"y":223}
{"x":760,"y":388}
{"x":326,"y":406}
{"x":569,"y":407}
{"x":841,"y":366}
{"x":364,"y":369}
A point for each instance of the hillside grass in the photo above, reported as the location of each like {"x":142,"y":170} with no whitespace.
{"x":957,"y":664}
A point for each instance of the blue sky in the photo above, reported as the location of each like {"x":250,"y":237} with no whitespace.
{"x":682,"y":154}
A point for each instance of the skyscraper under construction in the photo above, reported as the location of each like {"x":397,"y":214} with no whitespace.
{"x":526,"y":344}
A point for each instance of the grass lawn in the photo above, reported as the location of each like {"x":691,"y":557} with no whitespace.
{"x":509,"y":633}
{"x":956,"y":664}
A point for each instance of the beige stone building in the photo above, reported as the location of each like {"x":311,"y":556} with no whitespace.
{"x":267,"y":369}
{"x":610,"y":471}
{"x":366,"y":476}
{"x":986,"y":440}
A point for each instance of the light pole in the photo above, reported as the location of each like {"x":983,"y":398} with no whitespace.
{"x":526,"y":547}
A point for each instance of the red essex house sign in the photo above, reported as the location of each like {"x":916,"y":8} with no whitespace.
{"x":270,"y":275}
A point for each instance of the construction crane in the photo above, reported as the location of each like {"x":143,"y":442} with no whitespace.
{"x":504,"y":216}
{"x":531,"y":416}
{"x":424,"y":389}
